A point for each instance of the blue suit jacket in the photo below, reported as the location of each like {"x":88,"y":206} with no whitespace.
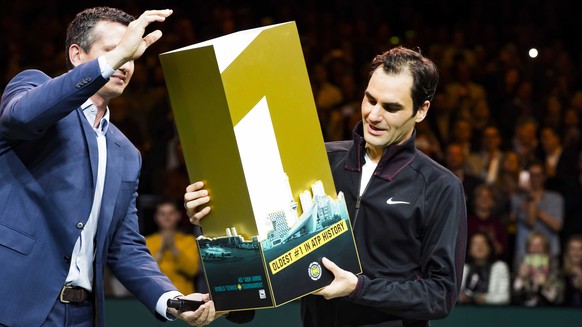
{"x":48,"y":169}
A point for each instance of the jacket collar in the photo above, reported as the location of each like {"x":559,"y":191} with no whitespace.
{"x":394,"y":159}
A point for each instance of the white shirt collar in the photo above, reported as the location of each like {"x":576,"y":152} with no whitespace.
{"x":90,"y":111}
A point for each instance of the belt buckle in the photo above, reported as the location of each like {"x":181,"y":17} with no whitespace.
{"x":66,"y":286}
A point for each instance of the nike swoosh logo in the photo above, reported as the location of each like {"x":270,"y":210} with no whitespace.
{"x":390,"y":201}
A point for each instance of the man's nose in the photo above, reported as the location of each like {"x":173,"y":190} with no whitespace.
{"x":375,"y":113}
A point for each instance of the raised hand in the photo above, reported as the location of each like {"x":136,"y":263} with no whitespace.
{"x":133,"y":43}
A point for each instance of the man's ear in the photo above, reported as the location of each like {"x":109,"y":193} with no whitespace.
{"x":76,"y":54}
{"x":422,"y":111}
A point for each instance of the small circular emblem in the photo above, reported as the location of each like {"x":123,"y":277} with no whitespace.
{"x":314,"y":270}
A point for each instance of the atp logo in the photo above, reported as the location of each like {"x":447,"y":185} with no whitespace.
{"x":314,"y":270}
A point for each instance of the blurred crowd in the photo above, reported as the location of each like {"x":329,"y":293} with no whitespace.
{"x":505,"y":120}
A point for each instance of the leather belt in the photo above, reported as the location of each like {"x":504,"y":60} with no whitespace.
{"x":73,"y":294}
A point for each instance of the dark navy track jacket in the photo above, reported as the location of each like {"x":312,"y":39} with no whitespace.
{"x":410,"y":229}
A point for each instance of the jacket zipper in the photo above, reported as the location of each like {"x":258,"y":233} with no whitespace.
{"x":359,"y":200}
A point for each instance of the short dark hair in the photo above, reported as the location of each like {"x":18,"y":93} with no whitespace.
{"x":81,"y":30}
{"x":425,"y":75}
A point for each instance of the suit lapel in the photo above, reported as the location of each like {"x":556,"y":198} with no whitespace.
{"x":91,"y":142}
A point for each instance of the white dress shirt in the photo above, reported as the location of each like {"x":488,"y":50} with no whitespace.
{"x":81,"y":268}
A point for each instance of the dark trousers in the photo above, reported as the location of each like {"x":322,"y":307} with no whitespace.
{"x":71,"y":315}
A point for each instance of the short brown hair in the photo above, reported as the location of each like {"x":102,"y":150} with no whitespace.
{"x":425,"y":75}
{"x":81,"y":30}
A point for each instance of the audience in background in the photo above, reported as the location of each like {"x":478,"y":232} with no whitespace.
{"x":485,"y":279}
{"x":455,"y":161}
{"x":561,"y":168}
{"x":560,"y":163}
{"x":482,"y":220}
{"x":487,"y":161}
{"x":570,"y":132}
{"x":537,"y":209}
{"x":464,"y":93}
{"x":441,"y":119}
{"x":175,"y":252}
{"x":427,"y":141}
{"x":507,"y":185}
{"x":462,"y":133}
{"x":538,"y":281}
{"x":506,"y":188}
{"x":525,"y":141}
{"x":327,"y":97}
{"x":518,"y":115}
{"x":573,"y":272}
{"x":508,"y":180}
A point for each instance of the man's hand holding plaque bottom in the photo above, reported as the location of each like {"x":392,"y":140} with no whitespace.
{"x":204,"y":315}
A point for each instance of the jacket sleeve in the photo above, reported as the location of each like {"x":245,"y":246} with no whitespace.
{"x":32,"y":101}
{"x":433,"y":292}
{"x":131,"y":262}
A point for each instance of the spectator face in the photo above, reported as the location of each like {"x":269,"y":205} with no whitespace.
{"x":484,"y":199}
{"x":455,"y":157}
{"x":574,"y":253}
{"x":526,"y":134}
{"x":550,"y":141}
{"x":536,"y":246}
{"x":491,"y":139}
{"x":167,"y":216}
{"x":478,"y":248}
{"x":554,"y":107}
{"x":571,"y":118}
{"x":462,"y":131}
{"x":536,"y":177}
{"x":387,"y":109}
{"x":481,"y":114}
{"x":511,"y":162}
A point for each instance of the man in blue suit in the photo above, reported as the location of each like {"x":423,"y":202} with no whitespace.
{"x":68,"y":180}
